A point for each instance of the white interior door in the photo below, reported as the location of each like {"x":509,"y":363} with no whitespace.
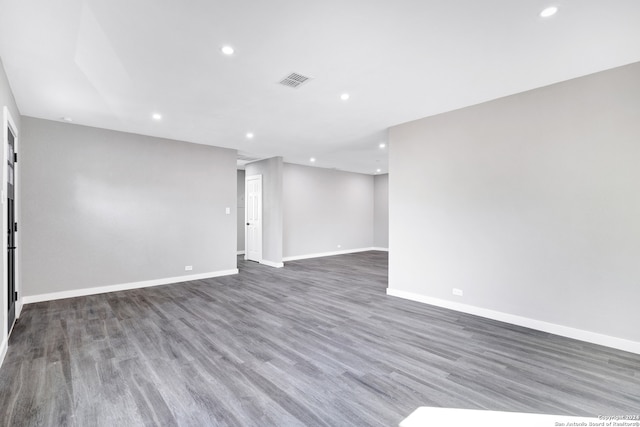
{"x":253,"y":217}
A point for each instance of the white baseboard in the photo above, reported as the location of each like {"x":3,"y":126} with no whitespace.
{"x":323,"y":254}
{"x":3,"y":349}
{"x":376,"y":248}
{"x":123,"y":287}
{"x":240,"y":253}
{"x":272,"y":264}
{"x":552,"y":328}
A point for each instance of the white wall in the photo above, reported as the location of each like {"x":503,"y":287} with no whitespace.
{"x":6,"y":97}
{"x":326,"y":210}
{"x":529,"y":204}
{"x":103,"y":208}
{"x":381,"y":211}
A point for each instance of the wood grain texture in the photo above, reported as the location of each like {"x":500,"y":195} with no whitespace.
{"x":317,"y":343}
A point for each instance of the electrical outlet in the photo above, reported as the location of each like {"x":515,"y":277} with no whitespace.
{"x":227,"y":211}
{"x":188,"y":267}
{"x":458,"y":292}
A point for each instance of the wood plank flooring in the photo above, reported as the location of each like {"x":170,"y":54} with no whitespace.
{"x":317,"y":343}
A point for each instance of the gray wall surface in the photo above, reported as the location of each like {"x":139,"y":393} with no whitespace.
{"x":528,"y":203}
{"x":271,"y":171}
{"x":381,"y":211}
{"x":103,"y":208}
{"x":7,"y":99}
{"x":324,"y":208}
{"x":240,"y":212}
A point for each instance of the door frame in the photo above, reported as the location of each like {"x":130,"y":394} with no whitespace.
{"x":246,"y":215}
{"x":8,"y":123}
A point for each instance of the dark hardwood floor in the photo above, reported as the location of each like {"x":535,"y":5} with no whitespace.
{"x":317,"y":343}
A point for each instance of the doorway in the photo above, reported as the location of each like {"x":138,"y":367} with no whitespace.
{"x":9,"y":201}
{"x":253,"y":218}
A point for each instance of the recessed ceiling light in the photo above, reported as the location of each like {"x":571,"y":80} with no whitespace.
{"x":249,"y":135}
{"x":382,"y":145}
{"x":344,"y":96}
{"x":66,"y":119}
{"x":156,"y":116}
{"x":312,"y":160}
{"x":227,"y":50}
{"x":550,"y":11}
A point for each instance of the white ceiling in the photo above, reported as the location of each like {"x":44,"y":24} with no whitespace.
{"x":111,"y":64}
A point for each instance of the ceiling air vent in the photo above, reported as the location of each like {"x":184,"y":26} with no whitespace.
{"x":294,"y":80}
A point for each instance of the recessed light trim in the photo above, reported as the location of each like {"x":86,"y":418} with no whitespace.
{"x":156,"y":116}
{"x":382,"y":145}
{"x":345,"y":96}
{"x":249,"y":135}
{"x":312,"y":159}
{"x":549,"y":11}
{"x":378,"y":170}
{"x":227,"y":50}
